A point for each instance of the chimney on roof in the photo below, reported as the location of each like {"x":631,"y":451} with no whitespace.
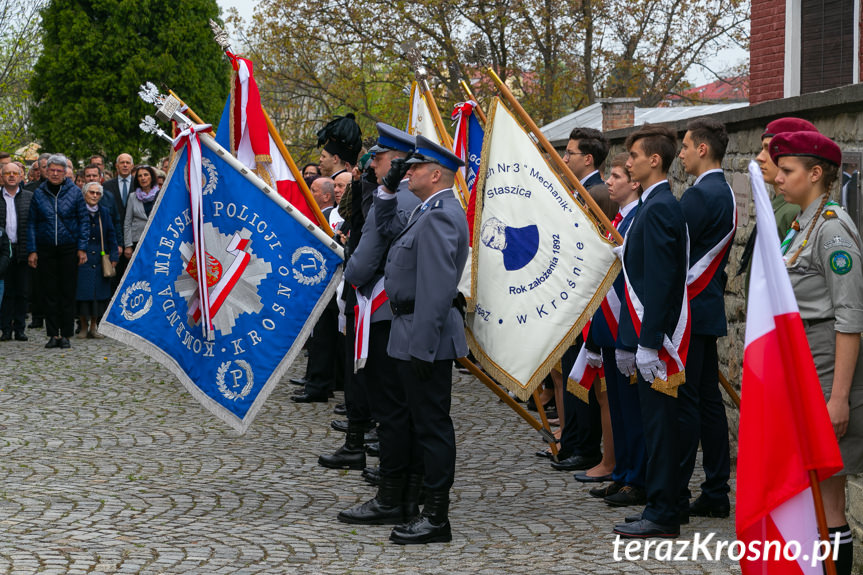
{"x":618,"y":113}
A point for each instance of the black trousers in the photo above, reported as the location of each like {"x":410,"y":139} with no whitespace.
{"x":13,"y":314}
{"x":429,"y":405}
{"x":582,"y":428}
{"x":400,"y":450}
{"x":659,"y":413}
{"x":323,"y":351}
{"x":57,"y":274}
{"x":356,"y":392}
{"x":625,"y":411}
{"x":702,"y":416}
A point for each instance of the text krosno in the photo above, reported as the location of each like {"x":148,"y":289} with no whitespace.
{"x":705,"y":549}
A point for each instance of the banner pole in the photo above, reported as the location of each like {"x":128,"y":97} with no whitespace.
{"x":298,"y":177}
{"x":467,"y":91}
{"x":543,"y":428}
{"x":821,"y":517}
{"x":586,"y":198}
{"x":735,"y":398}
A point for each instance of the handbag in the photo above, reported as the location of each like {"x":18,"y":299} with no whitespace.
{"x":108,"y":270}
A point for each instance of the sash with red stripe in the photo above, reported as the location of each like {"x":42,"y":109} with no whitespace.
{"x":674,"y":348}
{"x":582,"y":375}
{"x":702,"y":271}
{"x":363,"y":311}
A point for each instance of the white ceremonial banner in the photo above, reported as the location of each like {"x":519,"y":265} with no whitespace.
{"x":420,"y":121}
{"x":540,"y":266}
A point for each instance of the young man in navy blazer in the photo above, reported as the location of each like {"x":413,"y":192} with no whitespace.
{"x":709,"y":208}
{"x":654,"y":259}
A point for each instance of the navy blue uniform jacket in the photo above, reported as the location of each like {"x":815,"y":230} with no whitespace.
{"x":655,"y":260}
{"x":709,"y":214}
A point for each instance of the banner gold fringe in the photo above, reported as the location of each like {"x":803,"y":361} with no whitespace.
{"x":669,"y":387}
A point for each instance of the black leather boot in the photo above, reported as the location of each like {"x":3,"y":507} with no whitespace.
{"x":413,"y":496}
{"x":372,"y":475}
{"x":430,"y":526}
{"x":351,"y":455}
{"x":384,"y":509}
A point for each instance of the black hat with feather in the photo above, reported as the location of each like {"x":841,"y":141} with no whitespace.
{"x":342,"y":137}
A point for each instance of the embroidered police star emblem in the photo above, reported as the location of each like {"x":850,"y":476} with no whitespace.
{"x":233,"y":275}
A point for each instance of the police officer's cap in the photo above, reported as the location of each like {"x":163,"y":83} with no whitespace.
{"x":788,"y":125}
{"x":808,"y":144}
{"x":428,"y":151}
{"x":390,"y":138}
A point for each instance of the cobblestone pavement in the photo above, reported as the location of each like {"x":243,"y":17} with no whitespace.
{"x":108,"y":466}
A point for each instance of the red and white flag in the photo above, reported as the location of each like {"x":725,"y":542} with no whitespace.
{"x":785,"y":430}
{"x":251,"y":141}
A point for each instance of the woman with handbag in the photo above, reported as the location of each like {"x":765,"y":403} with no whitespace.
{"x":94,"y":283}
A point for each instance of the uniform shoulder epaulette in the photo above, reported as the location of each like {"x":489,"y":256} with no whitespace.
{"x":829,"y":214}
{"x":437,"y":204}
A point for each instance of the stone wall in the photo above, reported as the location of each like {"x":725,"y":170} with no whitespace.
{"x":837,"y":113}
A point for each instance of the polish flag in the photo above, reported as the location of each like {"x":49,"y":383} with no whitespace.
{"x":784,"y":428}
{"x":250,"y":139}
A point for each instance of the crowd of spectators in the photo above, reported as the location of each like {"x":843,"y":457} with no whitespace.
{"x":66,"y":236}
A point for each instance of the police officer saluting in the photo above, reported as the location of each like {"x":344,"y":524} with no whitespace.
{"x":400,"y":464}
{"x":422,"y":272}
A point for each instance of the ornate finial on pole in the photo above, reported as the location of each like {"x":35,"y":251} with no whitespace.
{"x":411,"y":52}
{"x":169,"y":107}
{"x":150,"y":94}
{"x":148,"y":124}
{"x":220,"y":36}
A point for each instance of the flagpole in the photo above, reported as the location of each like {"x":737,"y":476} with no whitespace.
{"x":298,"y":176}
{"x":543,"y":428}
{"x":592,"y":206}
{"x":412,"y":54}
{"x":821,"y":518}
{"x":735,"y":398}
{"x":469,"y":94}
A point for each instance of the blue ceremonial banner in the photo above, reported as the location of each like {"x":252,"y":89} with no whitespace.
{"x":475,"y":137}
{"x":269,"y":273}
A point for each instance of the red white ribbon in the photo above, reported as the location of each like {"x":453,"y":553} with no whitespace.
{"x":189,"y":138}
{"x":229,"y":279}
{"x":363,"y":311}
{"x":702,"y":271}
{"x":460,"y":116}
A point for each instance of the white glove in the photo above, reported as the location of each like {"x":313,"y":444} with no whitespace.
{"x":618,"y":251}
{"x":594,"y":359}
{"x":625,"y":362}
{"x":649,"y":364}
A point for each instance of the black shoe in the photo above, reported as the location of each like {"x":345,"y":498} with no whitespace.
{"x":628,"y":495}
{"x":385,"y":508}
{"x":340,"y":425}
{"x":702,"y":507}
{"x":298,"y":380}
{"x":372,"y":475}
{"x":575,"y":463}
{"x":585,"y":478}
{"x":6,"y":336}
{"x":344,"y":458}
{"x":307,"y":398}
{"x":682,"y":518}
{"x":340,"y":409}
{"x":644,"y":528}
{"x":373,"y":449}
{"x":607,"y":490}
{"x":430,"y":526}
{"x":52,"y":343}
{"x":64,"y":343}
{"x":21,"y":336}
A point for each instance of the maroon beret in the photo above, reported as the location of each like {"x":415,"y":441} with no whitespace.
{"x":788,"y":125}
{"x":811,"y":144}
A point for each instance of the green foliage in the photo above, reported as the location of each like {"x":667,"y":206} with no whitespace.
{"x":96,"y":54}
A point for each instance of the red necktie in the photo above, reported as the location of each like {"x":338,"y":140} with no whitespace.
{"x":617,"y":219}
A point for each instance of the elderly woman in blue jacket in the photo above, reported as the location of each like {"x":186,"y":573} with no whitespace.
{"x":57,"y":234}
